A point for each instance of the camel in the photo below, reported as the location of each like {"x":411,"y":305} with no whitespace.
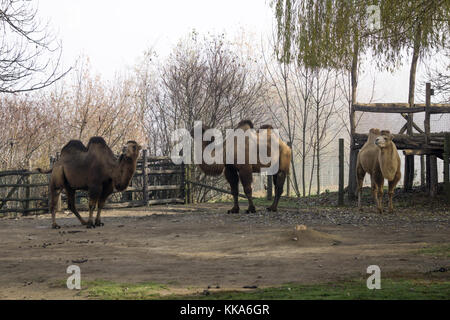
{"x":243,"y":172}
{"x":379,"y":158}
{"x":93,"y":168}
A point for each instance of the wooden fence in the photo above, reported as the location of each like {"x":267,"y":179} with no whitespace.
{"x":157,"y":180}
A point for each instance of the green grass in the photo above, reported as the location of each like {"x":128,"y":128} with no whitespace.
{"x":109,"y":290}
{"x":442,"y":250}
{"x":409,"y":289}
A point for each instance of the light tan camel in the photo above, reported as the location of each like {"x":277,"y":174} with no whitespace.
{"x":94,"y":169}
{"x":379,"y":158}
{"x":235,"y":171}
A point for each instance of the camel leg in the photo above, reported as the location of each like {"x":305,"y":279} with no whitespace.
{"x":279,"y":180}
{"x":375,"y":192}
{"x":377,"y":189}
{"x":54,"y":197}
{"x":232,"y":177}
{"x":246,"y":180}
{"x":360,"y":173}
{"x":392,"y":185}
{"x":101,"y":204}
{"x":71,"y":204}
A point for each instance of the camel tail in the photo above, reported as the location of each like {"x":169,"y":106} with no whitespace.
{"x":44,"y":171}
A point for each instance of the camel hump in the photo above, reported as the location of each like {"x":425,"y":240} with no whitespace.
{"x":266,"y":126}
{"x":245,"y":123}
{"x":386,"y":133}
{"x":375,"y":131}
{"x":96,"y":140}
{"x":74,"y":145}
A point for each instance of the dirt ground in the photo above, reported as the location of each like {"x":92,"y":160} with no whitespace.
{"x":191,"y":247}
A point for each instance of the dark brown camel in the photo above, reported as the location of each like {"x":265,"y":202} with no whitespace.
{"x":94,"y":169}
{"x":244,"y":172}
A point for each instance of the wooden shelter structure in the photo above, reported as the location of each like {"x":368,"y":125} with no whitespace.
{"x":422,"y":143}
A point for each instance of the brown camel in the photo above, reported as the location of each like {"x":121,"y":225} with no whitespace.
{"x":379,"y":158}
{"x":235,"y":171}
{"x":94,"y":169}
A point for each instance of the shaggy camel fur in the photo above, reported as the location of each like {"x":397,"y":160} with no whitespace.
{"x":379,"y":158}
{"x":244,"y":172}
{"x":94,"y":169}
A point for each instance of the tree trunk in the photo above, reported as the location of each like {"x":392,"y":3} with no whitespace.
{"x":409,"y":160}
{"x":353,"y":152}
{"x":318,"y":148}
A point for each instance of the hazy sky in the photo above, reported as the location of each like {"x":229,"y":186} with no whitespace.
{"x":114,"y":33}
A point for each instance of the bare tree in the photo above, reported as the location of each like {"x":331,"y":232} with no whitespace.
{"x":27,"y":49}
{"x":202,"y":79}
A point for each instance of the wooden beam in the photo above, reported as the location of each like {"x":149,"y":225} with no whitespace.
{"x":387,"y":108}
{"x":401,"y":107}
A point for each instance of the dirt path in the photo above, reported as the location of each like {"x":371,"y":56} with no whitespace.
{"x":189,"y":248}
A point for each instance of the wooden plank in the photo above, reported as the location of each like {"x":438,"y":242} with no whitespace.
{"x":10,"y":193}
{"x":438,"y":110}
{"x":12,"y":173}
{"x":433,"y":105}
{"x":383,"y":105}
{"x":215,"y":188}
{"x":19,"y":210}
{"x":23,"y":199}
{"x":167,"y":171}
{"x":31,"y":185}
{"x":166,"y":187}
{"x":164,"y":201}
{"x":389,"y":109}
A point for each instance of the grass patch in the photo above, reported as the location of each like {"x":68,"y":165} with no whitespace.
{"x":442,"y":250}
{"x":391,"y":289}
{"x":348,"y":290}
{"x":109,"y":290}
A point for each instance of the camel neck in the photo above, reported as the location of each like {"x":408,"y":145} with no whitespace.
{"x":125,"y":170}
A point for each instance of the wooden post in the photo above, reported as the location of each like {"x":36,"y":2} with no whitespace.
{"x":426,"y":125}
{"x":422,"y":172}
{"x":269,"y":187}
{"x":188,"y":185}
{"x":433,"y":176}
{"x":427,"y":112}
{"x":352,"y":174}
{"x":183,"y":181}
{"x":288,"y":178}
{"x":59,"y":204}
{"x":341,"y":172}
{"x":144,"y":177}
{"x":27,"y":182}
{"x":409,"y":173}
{"x":446,"y":166}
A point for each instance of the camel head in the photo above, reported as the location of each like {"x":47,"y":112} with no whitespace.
{"x":131,"y":150}
{"x":384,"y":139}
